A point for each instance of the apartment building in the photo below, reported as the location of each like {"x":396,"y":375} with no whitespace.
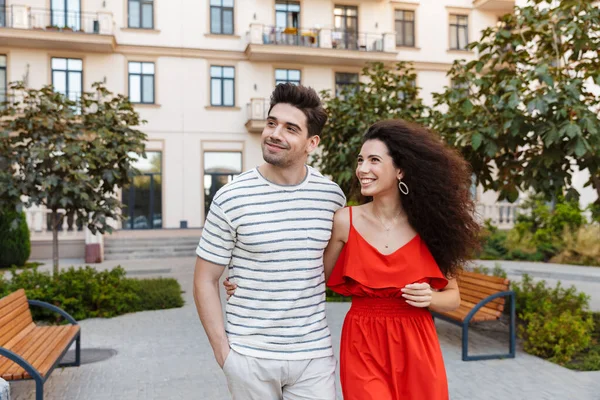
{"x":200,"y":72}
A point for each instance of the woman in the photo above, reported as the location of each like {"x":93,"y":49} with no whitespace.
{"x":397,"y":256}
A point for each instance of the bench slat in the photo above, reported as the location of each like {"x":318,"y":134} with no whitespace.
{"x":56,"y":349}
{"x":489,"y":278}
{"x":475,"y":295}
{"x":17,"y":320}
{"x":461,"y":313}
{"x":21,"y":348}
{"x":15,"y":297}
{"x":483,"y":291}
{"x":50,"y":342}
{"x":20,"y":336}
{"x":475,"y":287}
{"x":487,"y":310}
{"x":475,"y":300}
{"x":6,"y":308}
{"x":499,"y":287}
{"x":14,"y":371}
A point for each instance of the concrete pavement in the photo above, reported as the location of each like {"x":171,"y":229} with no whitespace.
{"x":165,"y":355}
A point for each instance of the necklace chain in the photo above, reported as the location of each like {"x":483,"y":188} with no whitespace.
{"x":384,"y":226}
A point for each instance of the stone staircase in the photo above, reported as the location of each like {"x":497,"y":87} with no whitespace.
{"x":118,"y":248}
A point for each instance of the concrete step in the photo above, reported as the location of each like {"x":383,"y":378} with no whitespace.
{"x":149,"y":247}
{"x":149,"y":241}
{"x":143,"y":255}
{"x":150,"y":250}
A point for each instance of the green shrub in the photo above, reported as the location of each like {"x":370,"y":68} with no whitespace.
{"x":589,"y":359}
{"x":581,"y":247}
{"x":336,"y":297}
{"x":555,"y":323}
{"x":496,"y":271}
{"x":88,"y":293}
{"x":158,"y":294}
{"x":532,"y":296}
{"x":493,"y":243}
{"x":543,"y":228}
{"x":15,"y":245}
{"x":556,"y":337}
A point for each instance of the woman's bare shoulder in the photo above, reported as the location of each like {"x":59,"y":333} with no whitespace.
{"x":341,"y":224}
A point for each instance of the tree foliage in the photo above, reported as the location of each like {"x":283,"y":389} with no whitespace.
{"x":382,"y":93}
{"x":69,"y":156}
{"x":524,"y":113}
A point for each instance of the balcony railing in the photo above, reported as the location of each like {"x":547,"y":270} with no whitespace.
{"x":24,"y":17}
{"x":322,"y":38}
{"x":502,"y":214}
{"x":356,"y":41}
{"x":39,"y":220}
{"x":291,"y":36}
{"x":257,"y":110}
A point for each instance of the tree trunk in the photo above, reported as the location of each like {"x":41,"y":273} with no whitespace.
{"x":596,"y":182}
{"x":56,"y":220}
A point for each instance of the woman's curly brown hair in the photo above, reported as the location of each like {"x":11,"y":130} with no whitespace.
{"x":439,"y":204}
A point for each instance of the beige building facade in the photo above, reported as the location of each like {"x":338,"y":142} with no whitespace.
{"x":200,"y":73}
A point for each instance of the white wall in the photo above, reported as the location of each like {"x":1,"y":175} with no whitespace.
{"x":182,"y":122}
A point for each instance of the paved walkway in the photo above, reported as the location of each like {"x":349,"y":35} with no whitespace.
{"x":165,"y":355}
{"x":585,"y":279}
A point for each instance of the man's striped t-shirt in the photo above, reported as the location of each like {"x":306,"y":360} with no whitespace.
{"x":272,"y":239}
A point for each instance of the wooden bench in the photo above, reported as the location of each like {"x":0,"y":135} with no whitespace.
{"x":28,"y":351}
{"x":482,"y":299}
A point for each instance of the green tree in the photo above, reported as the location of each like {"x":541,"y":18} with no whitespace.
{"x":15,"y":245}
{"x":381,"y":94}
{"x":524,"y":112}
{"x":68,"y":156}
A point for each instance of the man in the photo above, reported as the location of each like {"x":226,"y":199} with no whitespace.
{"x":270,"y":227}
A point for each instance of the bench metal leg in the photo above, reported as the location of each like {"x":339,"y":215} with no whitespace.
{"x":77,"y":361}
{"x":78,"y":350}
{"x":465,"y":342}
{"x":39,"y":389}
{"x":512,"y":339}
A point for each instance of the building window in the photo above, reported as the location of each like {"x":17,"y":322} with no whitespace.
{"x":141,"y":14}
{"x":222,"y":86}
{"x":2,"y":13}
{"x":287,"y":75}
{"x":345,"y":81}
{"x":459,"y":32}
{"x":66,"y":13}
{"x":141,"y":82}
{"x":221,"y":17}
{"x":3,"y":83}
{"x":287,"y":14}
{"x":473,"y":188}
{"x":67,"y":77}
{"x":405,"y":28}
{"x":345,"y":34}
{"x":143,"y":197}
{"x":402,"y":95}
{"x":219,"y":169}
{"x":459,"y":85}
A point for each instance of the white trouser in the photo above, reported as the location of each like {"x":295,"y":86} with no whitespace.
{"x":252,"y":378}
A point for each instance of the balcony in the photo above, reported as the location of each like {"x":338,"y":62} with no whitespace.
{"x":257,"y":110}
{"x":504,"y":6}
{"x":26,"y":27}
{"x":319,"y":46}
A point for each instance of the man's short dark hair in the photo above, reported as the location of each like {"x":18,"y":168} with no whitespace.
{"x":305,"y":99}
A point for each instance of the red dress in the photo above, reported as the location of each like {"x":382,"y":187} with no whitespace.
{"x":389,"y":349}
